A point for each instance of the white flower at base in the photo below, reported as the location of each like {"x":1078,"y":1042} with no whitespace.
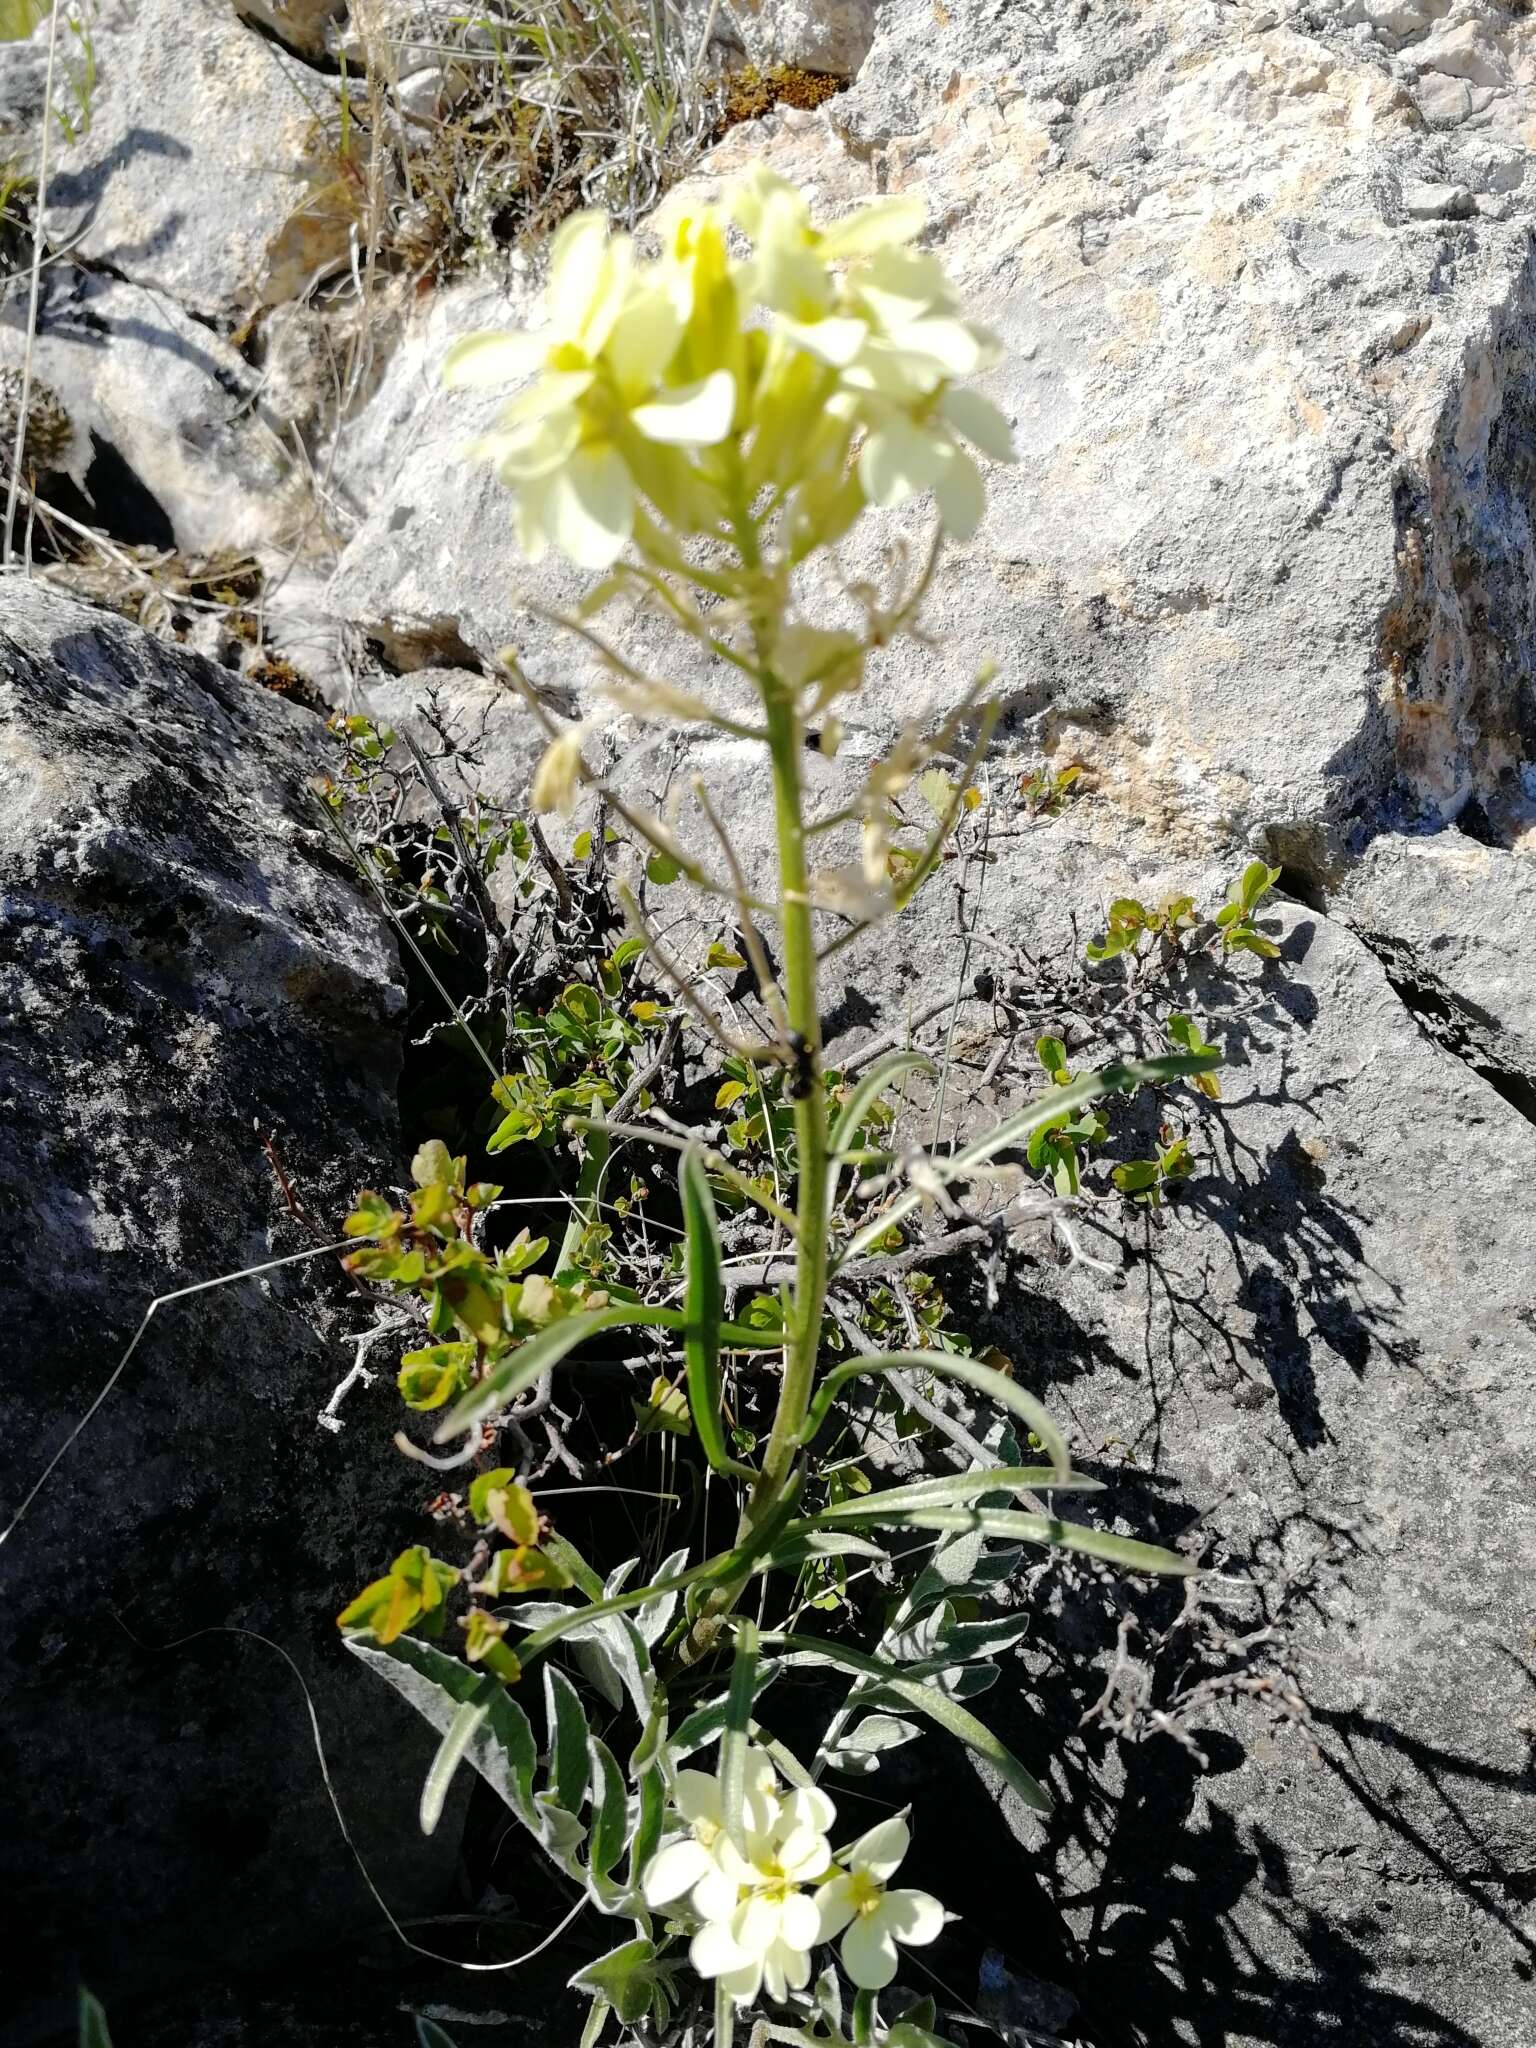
{"x":875,"y":1917}
{"x":704,"y":1862}
{"x":763,"y":1940}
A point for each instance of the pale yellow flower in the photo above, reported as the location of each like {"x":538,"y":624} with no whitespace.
{"x":876,"y":1918}
{"x":557,"y":778}
{"x":763,"y":1938}
{"x":567,"y":444}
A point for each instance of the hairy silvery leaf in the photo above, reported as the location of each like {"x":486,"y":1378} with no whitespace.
{"x":704,"y":1724}
{"x":610,"y":1823}
{"x":502,"y":1748}
{"x":860,"y":1750}
{"x":627,"y":1978}
{"x":655,"y":1617}
{"x":569,"y":1737}
{"x":612,"y":1649}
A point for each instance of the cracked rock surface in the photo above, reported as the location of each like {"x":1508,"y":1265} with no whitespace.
{"x":182,"y":967}
{"x":1267,"y":569}
{"x":1266,"y":562}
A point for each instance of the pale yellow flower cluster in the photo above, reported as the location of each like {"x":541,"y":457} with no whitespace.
{"x":814,"y":375}
{"x":758,"y":1915}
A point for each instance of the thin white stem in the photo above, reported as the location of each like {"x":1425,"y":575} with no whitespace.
{"x":18,"y":448}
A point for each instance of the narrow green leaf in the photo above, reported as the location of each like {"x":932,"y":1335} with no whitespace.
{"x":808,"y":1543}
{"x":93,"y":2022}
{"x":925,"y":1699}
{"x":866,"y":1092}
{"x":569,"y":1738}
{"x":589,"y":1189}
{"x":520,"y":1368}
{"x":956,"y":1487}
{"x":436,"y":1686}
{"x":469,"y":1717}
{"x":1121,"y":1075}
{"x":733,"y":1739}
{"x":986,"y":1379}
{"x":652,"y":1805}
{"x":790,"y":1767}
{"x":704,"y":1307}
{"x":1007,"y":1523}
{"x":562,"y":1552}
{"x":430,"y":2035}
{"x":610,"y":1816}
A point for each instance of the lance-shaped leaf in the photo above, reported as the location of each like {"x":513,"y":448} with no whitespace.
{"x":469,"y":1717}
{"x":501,"y":1749}
{"x":924,"y":1699}
{"x":866,"y":1092}
{"x":955,"y":1489}
{"x":704,"y":1307}
{"x":93,"y":2022}
{"x":1022,"y":1528}
{"x":953,"y":1365}
{"x":569,"y":1740}
{"x":610,"y":1819}
{"x":1110,"y":1080}
{"x":511,"y":1375}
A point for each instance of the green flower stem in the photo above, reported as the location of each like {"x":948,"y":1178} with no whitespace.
{"x":803,"y":1010}
{"x":803,"y":1007}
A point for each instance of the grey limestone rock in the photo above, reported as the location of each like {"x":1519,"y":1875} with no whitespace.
{"x":184,"y":968}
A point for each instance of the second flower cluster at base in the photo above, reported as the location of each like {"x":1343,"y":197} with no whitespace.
{"x":762,"y":1912}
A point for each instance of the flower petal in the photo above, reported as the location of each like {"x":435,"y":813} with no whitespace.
{"x":556,"y":391}
{"x":898,"y":460}
{"x":835,"y":340}
{"x":980,"y":422}
{"x":673,"y":1870}
{"x":755,"y":1924}
{"x":881,"y":1850}
{"x":480,"y":360}
{"x":834,"y":1907}
{"x":575,"y":259}
{"x":592,"y":507}
{"x":803,"y":1855}
{"x":697,"y":415}
{"x":714,"y":1950}
{"x":869,"y":1954}
{"x":808,"y":1806}
{"x":800,"y":1926}
{"x":696,"y":1795}
{"x":535,"y":448}
{"x":956,"y":346}
{"x":915,"y":1918}
{"x":643,"y":341}
{"x":961,"y":495}
{"x":886,"y":224}
{"x":785,"y":1968}
{"x":742,"y":1985}
{"x":716,"y":1893}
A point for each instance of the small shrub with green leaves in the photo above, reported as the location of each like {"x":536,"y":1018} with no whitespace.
{"x":697,"y":429}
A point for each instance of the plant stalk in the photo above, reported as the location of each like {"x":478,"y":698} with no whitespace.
{"x":803,"y":1011}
